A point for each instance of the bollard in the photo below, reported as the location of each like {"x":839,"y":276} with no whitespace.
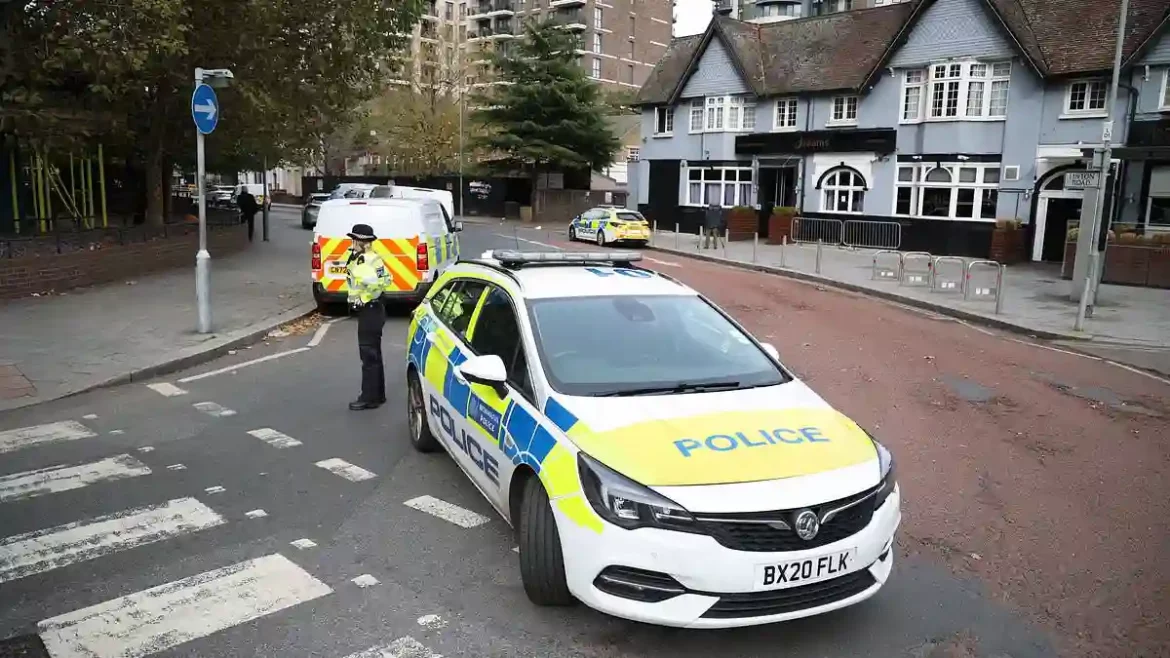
{"x":653,"y":242}
{"x":755,"y":244}
{"x":699,"y":244}
{"x":999,"y":290}
{"x":676,"y":235}
{"x":783,"y":244}
{"x":726,"y":237}
{"x":819,"y":243}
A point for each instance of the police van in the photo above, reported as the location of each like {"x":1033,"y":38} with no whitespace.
{"x":416,"y":239}
{"x":679,"y":475}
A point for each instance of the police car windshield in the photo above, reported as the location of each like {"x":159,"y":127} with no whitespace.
{"x":645,"y":345}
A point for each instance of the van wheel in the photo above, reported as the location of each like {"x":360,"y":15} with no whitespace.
{"x":542,"y":564}
{"x":416,"y":412}
{"x":601,"y":238}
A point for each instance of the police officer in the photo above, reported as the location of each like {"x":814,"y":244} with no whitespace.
{"x":367,"y":278}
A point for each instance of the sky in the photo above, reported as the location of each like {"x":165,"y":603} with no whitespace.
{"x":691,"y":16}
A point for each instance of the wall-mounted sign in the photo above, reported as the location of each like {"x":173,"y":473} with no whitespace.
{"x":878,"y":140}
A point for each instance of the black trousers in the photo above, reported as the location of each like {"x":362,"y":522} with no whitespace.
{"x":251,"y":219}
{"x":371,"y":319}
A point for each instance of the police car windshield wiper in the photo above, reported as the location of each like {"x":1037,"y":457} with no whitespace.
{"x":681,"y":387}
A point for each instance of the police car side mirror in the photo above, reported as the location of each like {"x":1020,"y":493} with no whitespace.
{"x":487,"y":369}
{"x":458,"y":226}
{"x":771,"y":350}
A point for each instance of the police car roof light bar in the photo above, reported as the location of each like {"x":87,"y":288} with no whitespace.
{"x":568,"y":257}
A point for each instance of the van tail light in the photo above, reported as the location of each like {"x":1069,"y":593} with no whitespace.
{"x":422,"y":258}
{"x":316,"y":255}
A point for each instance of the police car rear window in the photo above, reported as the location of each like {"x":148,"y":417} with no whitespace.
{"x":649,"y":342}
{"x":631,"y":217}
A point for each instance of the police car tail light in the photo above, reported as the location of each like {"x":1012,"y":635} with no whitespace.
{"x":626,"y":503}
{"x":316,"y":256}
{"x":422,"y":257}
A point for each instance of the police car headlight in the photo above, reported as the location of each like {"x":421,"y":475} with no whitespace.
{"x":627,"y":504}
{"x":888,"y":472}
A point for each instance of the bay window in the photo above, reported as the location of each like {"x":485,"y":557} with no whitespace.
{"x":956,"y":91}
{"x":663,"y":120}
{"x":723,"y":114}
{"x":959,"y":191}
{"x":725,"y":186}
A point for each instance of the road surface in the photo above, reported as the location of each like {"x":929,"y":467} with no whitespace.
{"x":238,"y":509}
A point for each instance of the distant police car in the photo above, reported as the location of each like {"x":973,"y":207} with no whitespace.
{"x":605,"y":225}
{"x":656,"y":461}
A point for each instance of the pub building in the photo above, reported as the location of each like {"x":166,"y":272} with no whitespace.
{"x":941,"y":115}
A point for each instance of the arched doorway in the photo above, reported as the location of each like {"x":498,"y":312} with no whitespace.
{"x":1056,"y":206}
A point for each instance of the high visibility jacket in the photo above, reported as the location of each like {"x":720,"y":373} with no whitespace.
{"x":366,"y":277}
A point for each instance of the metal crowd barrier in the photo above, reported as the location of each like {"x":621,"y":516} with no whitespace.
{"x":916,"y":268}
{"x":987,"y":291}
{"x":813,"y":230}
{"x":871,"y":235}
{"x":891,"y":271}
{"x":940,"y":280}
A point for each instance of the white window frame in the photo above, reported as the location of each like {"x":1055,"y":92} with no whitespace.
{"x":847,"y":103}
{"x":742,"y":188}
{"x":829,"y":185}
{"x":1086,"y":112}
{"x":715,"y":117}
{"x":722,"y":114}
{"x":783,"y":110}
{"x":663,"y":121}
{"x":634,"y":153}
{"x":1163,"y":100}
{"x":597,"y":43}
{"x":919,"y":183}
{"x":696,"y":117}
{"x":964,"y":77}
{"x":597,"y":18}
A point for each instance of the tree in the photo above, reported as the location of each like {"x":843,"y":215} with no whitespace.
{"x":547,"y":115}
{"x":300,"y":67}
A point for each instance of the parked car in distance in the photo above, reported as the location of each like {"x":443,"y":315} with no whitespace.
{"x":312,"y":209}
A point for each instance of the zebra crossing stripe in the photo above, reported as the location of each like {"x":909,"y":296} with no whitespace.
{"x":460,"y":516}
{"x":166,"y":616}
{"x":26,"y":437}
{"x":345,"y":469}
{"x":274,"y":438}
{"x":44,"y":550}
{"x":403,"y":647}
{"x":56,"y":479}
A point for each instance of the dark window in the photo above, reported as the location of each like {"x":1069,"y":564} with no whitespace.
{"x":497,"y":331}
{"x":965,"y":205}
{"x":455,"y":303}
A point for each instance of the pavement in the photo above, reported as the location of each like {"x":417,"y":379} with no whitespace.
{"x":237,"y":508}
{"x":59,"y":345}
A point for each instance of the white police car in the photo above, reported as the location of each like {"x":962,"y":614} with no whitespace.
{"x":655,"y":460}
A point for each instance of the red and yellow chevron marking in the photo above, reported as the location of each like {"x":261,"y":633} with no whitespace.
{"x":399,"y":254}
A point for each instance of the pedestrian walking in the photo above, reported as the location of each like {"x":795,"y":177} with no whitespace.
{"x":712,"y":225}
{"x":248,"y":207}
{"x":367,"y":277}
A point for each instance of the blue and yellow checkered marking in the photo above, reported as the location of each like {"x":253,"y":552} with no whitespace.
{"x":559,"y":415}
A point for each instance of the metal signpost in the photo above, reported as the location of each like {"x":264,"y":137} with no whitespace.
{"x":205,"y":114}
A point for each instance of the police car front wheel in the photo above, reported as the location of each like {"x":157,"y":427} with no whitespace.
{"x":420,"y":430}
{"x":542,"y":564}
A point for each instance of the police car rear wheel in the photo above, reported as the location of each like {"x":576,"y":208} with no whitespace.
{"x":542,"y":564}
{"x":420,"y":431}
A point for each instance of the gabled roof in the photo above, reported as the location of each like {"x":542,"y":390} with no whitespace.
{"x":1067,"y":37}
{"x":843,"y":51}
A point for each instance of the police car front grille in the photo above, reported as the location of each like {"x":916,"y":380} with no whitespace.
{"x":792,"y":599}
{"x":751,"y":532}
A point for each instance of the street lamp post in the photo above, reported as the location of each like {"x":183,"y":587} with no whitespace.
{"x":1089,"y":289}
{"x":207,"y":110}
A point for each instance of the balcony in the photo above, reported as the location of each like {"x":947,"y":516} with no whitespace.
{"x":557,"y":4}
{"x":490,"y":9}
{"x":570,"y":20}
{"x":497,"y":34}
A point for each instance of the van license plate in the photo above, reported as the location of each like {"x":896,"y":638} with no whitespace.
{"x":800,"y":572}
{"x":337,"y":269}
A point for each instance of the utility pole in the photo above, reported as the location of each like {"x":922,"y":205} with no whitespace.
{"x":1103,"y":160}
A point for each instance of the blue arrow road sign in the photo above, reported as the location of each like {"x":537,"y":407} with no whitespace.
{"x":205,"y":109}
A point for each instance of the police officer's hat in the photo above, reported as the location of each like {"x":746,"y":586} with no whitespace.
{"x":362,"y":232}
